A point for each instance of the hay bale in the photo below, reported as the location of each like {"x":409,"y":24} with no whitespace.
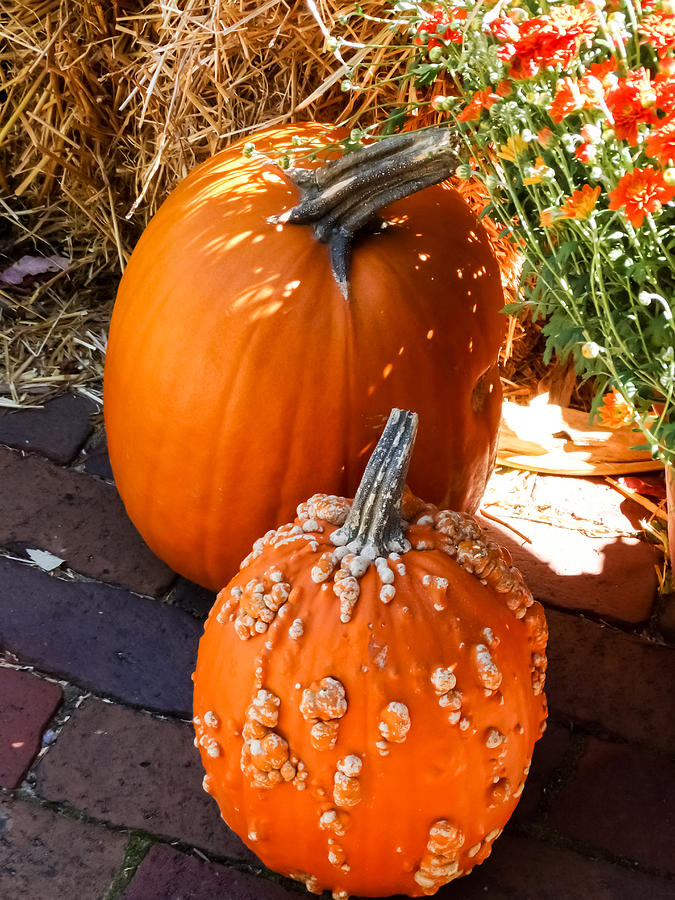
{"x":106,"y":104}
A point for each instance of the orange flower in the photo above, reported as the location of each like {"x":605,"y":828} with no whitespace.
{"x":664,"y":88}
{"x":603,"y":71}
{"x":631,"y":104}
{"x":580,"y":21}
{"x":513,"y":147}
{"x":545,"y":41}
{"x":481,"y":100}
{"x":641,"y":191}
{"x":659,"y":32}
{"x":615,"y":411}
{"x":581,"y":204}
{"x":661,"y":144}
{"x":539,"y":172}
{"x":548,"y":217}
{"x":568,"y":99}
{"x":572,"y":95}
{"x":545,"y":138}
{"x":585,"y":152}
{"x":667,"y":66}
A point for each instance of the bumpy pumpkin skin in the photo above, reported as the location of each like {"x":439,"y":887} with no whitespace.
{"x":371,"y":741}
{"x":239,"y":378}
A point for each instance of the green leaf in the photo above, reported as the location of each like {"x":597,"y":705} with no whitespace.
{"x":394,"y":121}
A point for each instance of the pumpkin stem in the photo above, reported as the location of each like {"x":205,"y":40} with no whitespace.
{"x":374,"y":526}
{"x":343,"y":197}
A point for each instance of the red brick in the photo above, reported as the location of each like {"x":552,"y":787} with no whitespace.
{"x":615,"y":681}
{"x":56,"y":431}
{"x":135,"y":770}
{"x":549,"y":757}
{"x":609,"y":576}
{"x":78,"y":518}
{"x":165,"y":873}
{"x":27,"y":703}
{"x":46,"y":856}
{"x":622,"y":799}
{"x":524,"y":869}
{"x":104,"y":639}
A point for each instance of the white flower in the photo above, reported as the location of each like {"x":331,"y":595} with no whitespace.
{"x":590,"y":350}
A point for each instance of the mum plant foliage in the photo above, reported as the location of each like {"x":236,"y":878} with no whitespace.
{"x":567,"y":112}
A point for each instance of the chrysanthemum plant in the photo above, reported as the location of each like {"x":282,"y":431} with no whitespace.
{"x":567,"y":113}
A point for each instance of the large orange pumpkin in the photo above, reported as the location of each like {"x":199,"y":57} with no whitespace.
{"x":239,"y":380}
{"x":368,"y":690}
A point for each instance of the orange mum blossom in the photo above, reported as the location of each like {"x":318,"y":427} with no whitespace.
{"x":631,"y":103}
{"x":615,"y":411}
{"x":640,"y":192}
{"x":661,"y":144}
{"x":545,"y":41}
{"x":664,"y":89}
{"x":481,"y":100}
{"x":585,"y":152}
{"x":581,"y":204}
{"x":588,"y":92}
{"x":567,"y":100}
{"x":658,"y":31}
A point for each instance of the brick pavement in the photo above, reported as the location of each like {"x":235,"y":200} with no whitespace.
{"x":100,"y":793}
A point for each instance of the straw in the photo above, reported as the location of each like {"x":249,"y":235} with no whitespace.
{"x":105,"y":105}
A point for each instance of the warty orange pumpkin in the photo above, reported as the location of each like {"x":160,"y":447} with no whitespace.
{"x":369,"y":689}
{"x":239,"y":380}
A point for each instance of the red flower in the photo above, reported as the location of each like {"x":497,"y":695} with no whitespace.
{"x":572,"y":95}
{"x":659,"y":31}
{"x":504,"y":30}
{"x":568,"y":99}
{"x":481,"y":100}
{"x":585,"y":152}
{"x":603,"y":70}
{"x":664,"y":88}
{"x":436,"y":26}
{"x":661,"y":144}
{"x":597,"y":82}
{"x":667,"y":66}
{"x":641,"y":191}
{"x":545,"y":41}
{"x":631,"y":104}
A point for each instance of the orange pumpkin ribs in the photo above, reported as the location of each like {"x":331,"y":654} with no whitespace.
{"x":239,"y":380}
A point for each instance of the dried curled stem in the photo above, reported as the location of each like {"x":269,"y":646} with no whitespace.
{"x":344,"y":197}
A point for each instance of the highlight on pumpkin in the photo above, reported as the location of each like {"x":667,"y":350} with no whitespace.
{"x":369,"y":689}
